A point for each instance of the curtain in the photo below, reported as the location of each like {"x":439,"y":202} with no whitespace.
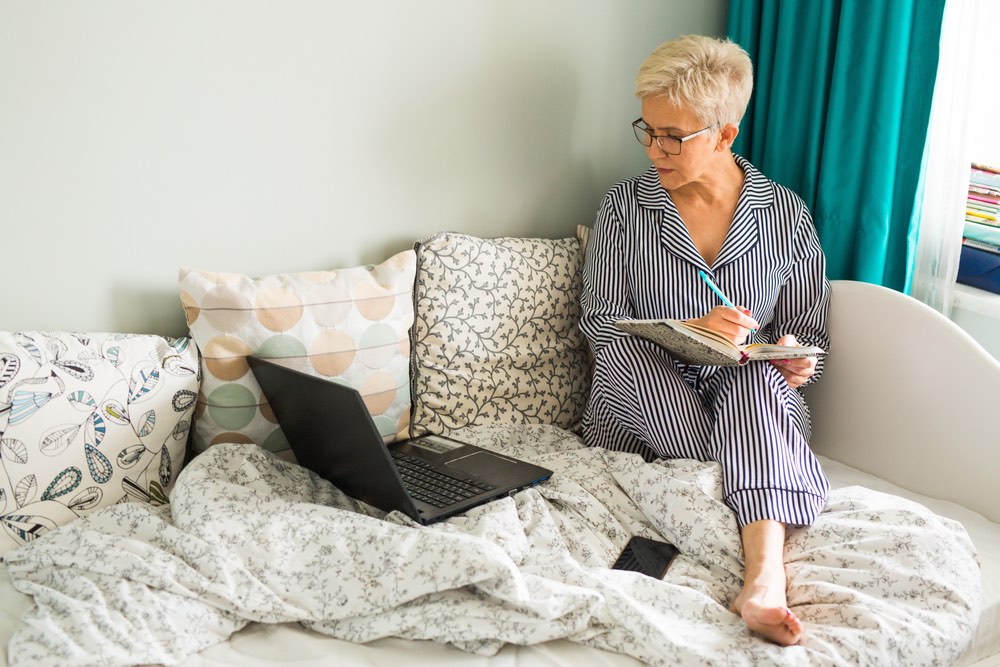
{"x":946,"y":180}
{"x":843,"y":92}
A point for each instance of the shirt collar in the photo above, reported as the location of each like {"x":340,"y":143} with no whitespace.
{"x":757,"y":192}
{"x":757,"y":189}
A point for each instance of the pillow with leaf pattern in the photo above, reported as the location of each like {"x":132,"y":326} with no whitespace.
{"x":86,"y":421}
{"x":496,"y":336}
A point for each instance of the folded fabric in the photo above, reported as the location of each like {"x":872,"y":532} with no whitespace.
{"x":984,"y":233}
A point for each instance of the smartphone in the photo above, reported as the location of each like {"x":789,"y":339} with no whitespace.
{"x":650,"y":557}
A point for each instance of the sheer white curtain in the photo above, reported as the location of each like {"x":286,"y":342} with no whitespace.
{"x":947,"y":159}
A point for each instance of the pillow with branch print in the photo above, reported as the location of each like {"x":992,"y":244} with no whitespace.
{"x":496,"y":333}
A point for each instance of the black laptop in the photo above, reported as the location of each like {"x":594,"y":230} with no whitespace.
{"x":429,"y":478}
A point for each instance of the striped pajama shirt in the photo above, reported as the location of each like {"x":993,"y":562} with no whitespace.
{"x":642,"y":264}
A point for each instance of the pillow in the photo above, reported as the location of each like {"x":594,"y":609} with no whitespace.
{"x":86,"y":421}
{"x":349,"y":325}
{"x":496,"y":333}
{"x":583,"y":236}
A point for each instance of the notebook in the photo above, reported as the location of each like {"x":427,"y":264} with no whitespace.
{"x":429,"y":478}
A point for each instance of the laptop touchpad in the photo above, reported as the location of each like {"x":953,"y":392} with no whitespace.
{"x":481,"y":464}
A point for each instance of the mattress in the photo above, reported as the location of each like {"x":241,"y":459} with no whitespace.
{"x":291,"y":644}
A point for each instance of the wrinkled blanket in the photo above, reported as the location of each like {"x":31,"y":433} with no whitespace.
{"x":249,"y":537}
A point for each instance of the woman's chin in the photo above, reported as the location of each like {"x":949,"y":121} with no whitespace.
{"x":668,"y":178}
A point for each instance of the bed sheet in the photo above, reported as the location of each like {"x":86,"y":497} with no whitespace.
{"x":985,"y":535}
{"x":290,"y":643}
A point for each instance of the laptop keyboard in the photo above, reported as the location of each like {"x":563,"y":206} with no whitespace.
{"x":432,"y":485}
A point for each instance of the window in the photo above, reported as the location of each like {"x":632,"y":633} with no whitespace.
{"x":983,"y":135}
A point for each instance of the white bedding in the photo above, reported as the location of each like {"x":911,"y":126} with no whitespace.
{"x":878,"y":579}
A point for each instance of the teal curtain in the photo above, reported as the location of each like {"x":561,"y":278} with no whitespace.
{"x":842,"y":97}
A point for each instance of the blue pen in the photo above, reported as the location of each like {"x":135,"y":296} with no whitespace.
{"x":715,"y":288}
{"x":708,"y":281}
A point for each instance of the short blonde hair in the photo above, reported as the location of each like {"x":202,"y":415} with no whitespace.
{"x":712,"y":77}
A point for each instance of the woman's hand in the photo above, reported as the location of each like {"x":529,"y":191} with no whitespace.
{"x":735,"y":324}
{"x":795,"y":371}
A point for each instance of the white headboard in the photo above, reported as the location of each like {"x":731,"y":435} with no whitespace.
{"x":909,"y":396}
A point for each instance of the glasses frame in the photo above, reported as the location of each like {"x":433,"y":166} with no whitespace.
{"x":645,"y":137}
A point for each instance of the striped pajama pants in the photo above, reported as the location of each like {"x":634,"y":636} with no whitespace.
{"x":745,"y":418}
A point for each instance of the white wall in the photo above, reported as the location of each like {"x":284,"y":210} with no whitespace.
{"x":139,"y":136}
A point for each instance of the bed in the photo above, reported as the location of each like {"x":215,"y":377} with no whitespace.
{"x":525,"y":581}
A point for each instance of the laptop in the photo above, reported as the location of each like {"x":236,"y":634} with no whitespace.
{"x":428,"y":478}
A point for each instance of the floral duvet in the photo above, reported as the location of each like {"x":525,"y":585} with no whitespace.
{"x":250,"y":537}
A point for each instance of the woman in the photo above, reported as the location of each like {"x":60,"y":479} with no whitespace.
{"x":700,"y":207}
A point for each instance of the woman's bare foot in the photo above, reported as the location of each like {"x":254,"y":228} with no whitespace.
{"x":762,"y":602}
{"x":764,"y":609}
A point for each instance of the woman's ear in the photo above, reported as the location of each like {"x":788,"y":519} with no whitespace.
{"x":728,"y":135}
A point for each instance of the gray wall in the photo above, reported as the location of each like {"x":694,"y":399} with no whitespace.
{"x":138,"y":136}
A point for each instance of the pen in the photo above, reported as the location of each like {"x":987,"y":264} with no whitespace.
{"x":708,"y":281}
{"x":715,"y":288}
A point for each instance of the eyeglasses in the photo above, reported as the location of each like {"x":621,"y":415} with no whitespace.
{"x":667,"y":144}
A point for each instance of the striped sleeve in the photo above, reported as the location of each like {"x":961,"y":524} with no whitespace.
{"x":801,"y":308}
{"x":605,"y":296}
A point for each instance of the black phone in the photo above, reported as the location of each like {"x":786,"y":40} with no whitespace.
{"x":650,"y":557}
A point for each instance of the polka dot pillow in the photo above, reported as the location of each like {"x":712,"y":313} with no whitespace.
{"x":348,"y":325}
